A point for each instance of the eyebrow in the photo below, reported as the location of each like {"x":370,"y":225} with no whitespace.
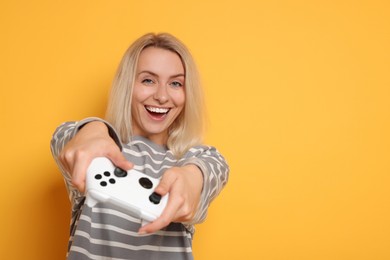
{"x":155,"y":75}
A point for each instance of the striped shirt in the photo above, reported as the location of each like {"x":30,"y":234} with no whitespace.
{"x":104,"y":232}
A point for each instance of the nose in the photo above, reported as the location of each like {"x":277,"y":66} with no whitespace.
{"x":161,"y":94}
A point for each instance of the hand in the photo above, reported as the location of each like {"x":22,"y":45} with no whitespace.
{"x":184,"y":185}
{"x":90,"y":142}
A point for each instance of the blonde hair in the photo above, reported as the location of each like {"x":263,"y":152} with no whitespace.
{"x":188,"y":128}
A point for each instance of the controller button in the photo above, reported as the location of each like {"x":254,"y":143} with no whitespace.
{"x":112,"y":181}
{"x":103,"y":183}
{"x":155,"y":198}
{"x":107,"y":173}
{"x":118,"y":172}
{"x":98,"y":176}
{"x":146,"y":183}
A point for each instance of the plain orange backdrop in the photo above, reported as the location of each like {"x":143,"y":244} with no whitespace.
{"x":298,"y":95}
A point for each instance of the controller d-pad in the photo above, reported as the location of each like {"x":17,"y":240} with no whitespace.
{"x":146,"y":183}
{"x":155,"y":198}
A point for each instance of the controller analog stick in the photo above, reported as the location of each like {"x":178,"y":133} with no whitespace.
{"x":155,"y":198}
{"x":118,"y":172}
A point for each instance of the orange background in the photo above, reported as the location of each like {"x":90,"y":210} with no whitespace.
{"x":298,"y":99}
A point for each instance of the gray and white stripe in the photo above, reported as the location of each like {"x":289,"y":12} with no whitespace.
{"x":104,"y":232}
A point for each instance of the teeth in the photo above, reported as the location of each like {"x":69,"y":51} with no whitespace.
{"x":158,"y":110}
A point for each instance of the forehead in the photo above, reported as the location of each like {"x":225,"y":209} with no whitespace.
{"x":160,"y":61}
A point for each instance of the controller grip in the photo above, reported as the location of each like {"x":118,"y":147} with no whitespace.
{"x":94,"y":196}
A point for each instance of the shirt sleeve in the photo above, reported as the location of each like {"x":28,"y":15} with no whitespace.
{"x":62,"y":135}
{"x":215,"y":172}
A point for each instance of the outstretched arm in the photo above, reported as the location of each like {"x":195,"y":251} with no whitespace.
{"x":75,"y":144}
{"x":192,"y":185}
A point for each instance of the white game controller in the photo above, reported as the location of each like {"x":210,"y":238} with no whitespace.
{"x":131,"y":191}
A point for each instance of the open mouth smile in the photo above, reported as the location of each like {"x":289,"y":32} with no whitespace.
{"x":157,"y":112}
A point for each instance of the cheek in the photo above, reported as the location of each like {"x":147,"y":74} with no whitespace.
{"x":140,"y":94}
{"x":179,"y":98}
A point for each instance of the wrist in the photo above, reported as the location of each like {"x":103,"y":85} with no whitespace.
{"x":94,"y":127}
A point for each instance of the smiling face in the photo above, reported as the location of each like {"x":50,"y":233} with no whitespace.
{"x":158,"y":93}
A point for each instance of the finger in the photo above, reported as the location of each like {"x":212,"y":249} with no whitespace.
{"x":66,"y":160}
{"x":166,"y":217}
{"x":172,"y":209}
{"x":79,"y":173}
{"x":166,"y":182}
{"x":119,"y":160}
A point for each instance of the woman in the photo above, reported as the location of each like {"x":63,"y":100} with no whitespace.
{"x":154,"y":124}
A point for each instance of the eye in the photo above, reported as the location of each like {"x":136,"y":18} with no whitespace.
{"x":176,"y":84}
{"x":147,"y":81}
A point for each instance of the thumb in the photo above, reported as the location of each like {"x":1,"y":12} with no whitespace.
{"x":166,"y":182}
{"x":119,"y":160}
